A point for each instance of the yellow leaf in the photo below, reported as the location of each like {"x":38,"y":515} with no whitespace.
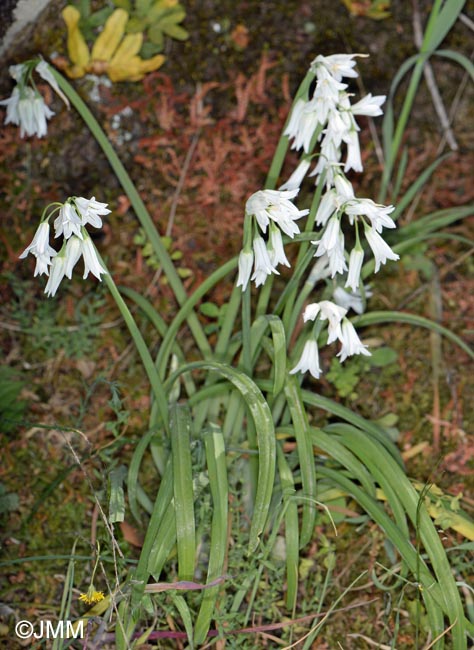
{"x":110,"y":37}
{"x":128,"y":48}
{"x":76,"y":45}
{"x":134,"y":68}
{"x":447,"y":519}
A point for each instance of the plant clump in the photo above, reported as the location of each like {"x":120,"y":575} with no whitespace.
{"x":130,"y":39}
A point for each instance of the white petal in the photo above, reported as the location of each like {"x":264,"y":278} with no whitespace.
{"x":91,"y":260}
{"x":309,"y":360}
{"x":245,"y":268}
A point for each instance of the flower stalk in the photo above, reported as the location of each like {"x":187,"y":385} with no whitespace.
{"x":139,"y":208}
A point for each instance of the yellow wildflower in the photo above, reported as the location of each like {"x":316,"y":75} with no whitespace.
{"x":92,"y":596}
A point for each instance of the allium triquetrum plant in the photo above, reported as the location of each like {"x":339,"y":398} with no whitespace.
{"x":223,"y":420}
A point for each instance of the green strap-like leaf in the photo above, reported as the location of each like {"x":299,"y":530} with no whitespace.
{"x":218,"y":483}
{"x":279,"y":347}
{"x":117,"y":496}
{"x":134,"y":470}
{"x":265,"y":430}
{"x":292,"y":540}
{"x":180,"y":426}
{"x":398,"y":488}
{"x":305,"y":456}
{"x":148,"y":563}
{"x":377,"y":317}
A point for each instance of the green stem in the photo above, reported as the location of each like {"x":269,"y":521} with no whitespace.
{"x":272,"y":178}
{"x":246,"y":324}
{"x":282,"y":147}
{"x":141,"y":346}
{"x":289,"y":312}
{"x":138,"y":206}
{"x":390,"y":156}
{"x":227,"y":328}
{"x":187,"y":307}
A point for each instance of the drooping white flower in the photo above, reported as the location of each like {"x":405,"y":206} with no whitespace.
{"x":327,"y":207}
{"x":27,"y":109}
{"x":326,"y":97}
{"x":12,"y":116}
{"x":320,"y":270}
{"x":344,"y":188}
{"x":91,"y":211}
{"x":352,"y":300}
{"x":91,"y":260}
{"x":275,"y":205}
{"x":369,"y":105}
{"x":302,"y":125}
{"x":296,"y":178}
{"x":329,"y":157}
{"x":336,"y":256}
{"x":336,"y":129}
{"x":376,"y":213}
{"x":275,"y":249}
{"x":73,"y":254}
{"x":68,"y":222}
{"x":356,"y":259}
{"x":333,"y":313}
{"x":309,"y":359}
{"x":338,"y":65}
{"x":18,"y":72}
{"x":41,"y":249}
{"x":26,"y":106}
{"x":44,"y":70}
{"x":58,"y":270}
{"x":263,"y":266}
{"x":353,"y":159}
{"x":351,"y":343}
{"x":330,"y":234}
{"x":41,"y":113}
{"x":332,"y":244}
{"x":381,"y":250}
{"x":330,"y":311}
{"x":245,"y":268}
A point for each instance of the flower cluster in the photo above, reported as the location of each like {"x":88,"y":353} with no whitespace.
{"x":328,"y":115}
{"x":339,"y":328}
{"x":26,"y":107}
{"x":73,"y":216}
{"x":328,"y":119}
{"x":92,"y":596}
{"x":361,"y":214}
{"x":274,"y":211}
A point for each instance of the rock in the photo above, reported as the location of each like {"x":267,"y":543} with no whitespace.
{"x":18,"y":17}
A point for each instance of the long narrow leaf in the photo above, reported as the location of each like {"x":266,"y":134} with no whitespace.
{"x":400,"y":542}
{"x":148,"y":564}
{"x":433,"y":222}
{"x":134,"y":470}
{"x":389,"y":477}
{"x":377,"y":317}
{"x":163,"y":543}
{"x":305,"y":457}
{"x":279,"y":347}
{"x":458,"y":58}
{"x":291,"y":529}
{"x":217,"y":470}
{"x":180,"y":425}
{"x":329,"y":405}
{"x":263,"y":421}
{"x":415,"y":187}
{"x":442,"y":23}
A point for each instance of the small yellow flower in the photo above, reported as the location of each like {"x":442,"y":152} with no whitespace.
{"x":92,"y":596}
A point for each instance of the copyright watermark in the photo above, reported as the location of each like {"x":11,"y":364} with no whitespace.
{"x":50,"y":630}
